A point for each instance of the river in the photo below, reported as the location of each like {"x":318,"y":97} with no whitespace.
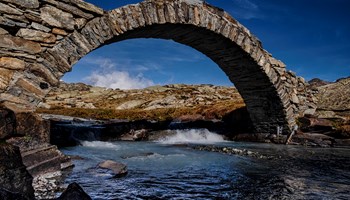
{"x":168,"y":169}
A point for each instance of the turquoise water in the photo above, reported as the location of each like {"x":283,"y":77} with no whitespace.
{"x":167,"y":169}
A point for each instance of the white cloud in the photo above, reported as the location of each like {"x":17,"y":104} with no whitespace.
{"x":246,"y":9}
{"x":114,"y":75}
{"x":118,"y":79}
{"x":247,"y":4}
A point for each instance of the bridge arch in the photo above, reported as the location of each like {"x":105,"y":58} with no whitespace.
{"x":273,"y":96}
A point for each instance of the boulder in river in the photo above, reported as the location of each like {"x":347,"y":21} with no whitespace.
{"x":118,"y":169}
{"x":74,"y":192}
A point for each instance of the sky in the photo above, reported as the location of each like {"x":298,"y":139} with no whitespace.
{"x":312,"y":37}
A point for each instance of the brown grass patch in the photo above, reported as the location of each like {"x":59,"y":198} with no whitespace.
{"x":216,"y":111}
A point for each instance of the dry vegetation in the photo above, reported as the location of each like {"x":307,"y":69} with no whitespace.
{"x":216,"y":111}
{"x":154,"y":103}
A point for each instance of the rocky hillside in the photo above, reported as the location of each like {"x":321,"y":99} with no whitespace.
{"x":173,"y":101}
{"x":335,"y":96}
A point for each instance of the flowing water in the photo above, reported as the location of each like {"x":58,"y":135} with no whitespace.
{"x":168,"y":169}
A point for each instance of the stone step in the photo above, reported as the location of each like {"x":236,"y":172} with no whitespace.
{"x":46,"y":166}
{"x":45,"y":159}
{"x":39,"y":155}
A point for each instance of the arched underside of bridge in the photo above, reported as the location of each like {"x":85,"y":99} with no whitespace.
{"x":39,"y":54}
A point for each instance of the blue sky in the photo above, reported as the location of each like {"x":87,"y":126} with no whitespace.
{"x":312,"y":37}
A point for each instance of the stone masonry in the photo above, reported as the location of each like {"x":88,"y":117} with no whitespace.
{"x":41,"y":40}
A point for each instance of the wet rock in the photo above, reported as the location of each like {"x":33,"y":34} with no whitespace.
{"x":134,"y":135}
{"x":45,"y":187}
{"x":138,"y":155}
{"x":74,"y":192}
{"x":118,"y":169}
{"x":313,"y":139}
{"x":13,"y":174}
{"x":342,"y":142}
{"x":231,"y":151}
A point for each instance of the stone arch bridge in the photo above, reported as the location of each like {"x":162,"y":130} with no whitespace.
{"x":40,"y":40}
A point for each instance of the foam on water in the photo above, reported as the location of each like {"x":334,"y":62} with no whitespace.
{"x":100,"y":144}
{"x":201,"y":136}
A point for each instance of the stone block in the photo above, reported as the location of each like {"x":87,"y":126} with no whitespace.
{"x":3,"y":31}
{"x":12,"y":63}
{"x":40,"y":27}
{"x":20,"y":44}
{"x":5,"y":78}
{"x":86,"y":6}
{"x":9,"y":10}
{"x":35,"y":35}
{"x":24,"y":3}
{"x":57,"y":18}
{"x":30,"y":87}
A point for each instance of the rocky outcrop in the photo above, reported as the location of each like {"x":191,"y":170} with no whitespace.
{"x":7,"y":124}
{"x":30,"y":133}
{"x":316,"y":82}
{"x":79,"y":95}
{"x":335,"y":97}
{"x":14,"y":178}
{"x":74,"y":192}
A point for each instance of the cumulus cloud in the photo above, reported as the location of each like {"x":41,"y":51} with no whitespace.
{"x":114,"y":75}
{"x":118,"y":79}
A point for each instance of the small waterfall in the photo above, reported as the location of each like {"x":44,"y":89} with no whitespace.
{"x":202,"y":136}
{"x":100,"y":145}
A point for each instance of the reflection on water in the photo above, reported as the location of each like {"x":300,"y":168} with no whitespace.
{"x":166,"y":171}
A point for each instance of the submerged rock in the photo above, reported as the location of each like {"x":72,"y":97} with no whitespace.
{"x":74,"y":192}
{"x":118,"y":169}
{"x":231,"y":151}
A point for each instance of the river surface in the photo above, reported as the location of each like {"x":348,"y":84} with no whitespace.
{"x":166,"y":170}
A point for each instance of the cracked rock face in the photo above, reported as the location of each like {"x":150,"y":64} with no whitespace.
{"x":7,"y":123}
{"x":14,"y":177}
